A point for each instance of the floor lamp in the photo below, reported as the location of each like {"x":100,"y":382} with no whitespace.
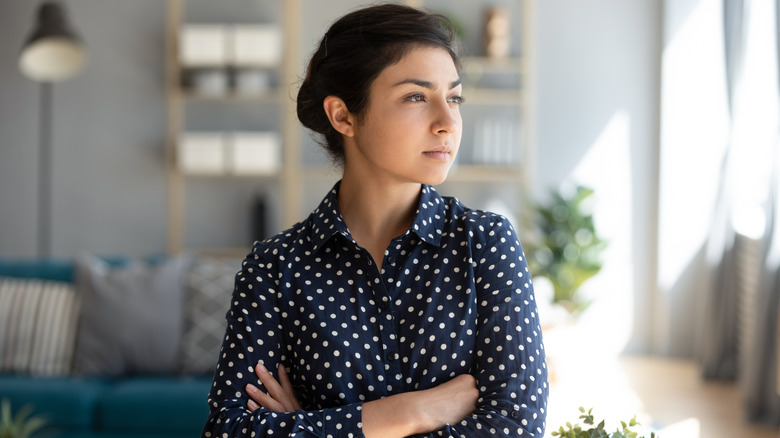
{"x":52,"y":53}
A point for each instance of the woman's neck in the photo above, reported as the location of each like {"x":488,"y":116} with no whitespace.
{"x":376,"y":211}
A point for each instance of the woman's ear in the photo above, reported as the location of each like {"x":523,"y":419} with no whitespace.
{"x":339,"y":115}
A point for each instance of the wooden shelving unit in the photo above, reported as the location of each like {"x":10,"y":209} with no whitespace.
{"x":178,"y":100}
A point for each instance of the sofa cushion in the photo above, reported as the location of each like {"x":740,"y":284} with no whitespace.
{"x":209,"y":288}
{"x":163,"y":405}
{"x":67,"y":403}
{"x":37,"y":326}
{"x":131,"y":317}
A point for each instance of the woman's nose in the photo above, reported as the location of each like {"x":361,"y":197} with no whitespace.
{"x":447,"y":119}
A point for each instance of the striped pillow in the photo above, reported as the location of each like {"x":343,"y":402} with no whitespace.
{"x":37,"y":326}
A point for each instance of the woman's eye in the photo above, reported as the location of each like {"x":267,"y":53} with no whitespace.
{"x":416,"y":98}
{"x":456,"y":100}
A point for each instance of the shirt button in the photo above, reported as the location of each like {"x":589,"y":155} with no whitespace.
{"x":391,"y":356}
{"x":391,"y":260}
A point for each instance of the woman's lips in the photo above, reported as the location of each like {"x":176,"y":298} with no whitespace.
{"x":439,"y":154}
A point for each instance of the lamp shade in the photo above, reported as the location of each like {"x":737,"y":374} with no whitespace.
{"x":53,"y":52}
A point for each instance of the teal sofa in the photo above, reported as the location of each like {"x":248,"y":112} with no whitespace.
{"x":132,"y":407}
{"x":169,"y":405}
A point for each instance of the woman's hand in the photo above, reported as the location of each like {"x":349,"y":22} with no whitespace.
{"x":422,"y":411}
{"x":448,"y":403}
{"x":280,"y":397}
{"x":399,"y":415}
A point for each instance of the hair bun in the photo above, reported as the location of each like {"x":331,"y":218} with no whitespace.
{"x":309,"y":108}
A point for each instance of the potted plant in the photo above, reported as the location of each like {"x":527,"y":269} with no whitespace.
{"x":21,"y":425}
{"x":564,"y":246}
{"x":594,"y":430}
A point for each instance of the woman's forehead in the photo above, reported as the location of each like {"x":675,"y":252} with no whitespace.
{"x":421,"y":63}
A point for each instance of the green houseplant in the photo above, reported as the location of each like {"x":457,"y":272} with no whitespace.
{"x":564,"y":245}
{"x":599,"y":430}
{"x":21,"y":425}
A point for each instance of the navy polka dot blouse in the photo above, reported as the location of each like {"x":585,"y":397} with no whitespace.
{"x":453,"y":296}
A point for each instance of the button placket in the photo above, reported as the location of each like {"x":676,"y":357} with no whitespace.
{"x":392,"y":355}
{"x":385,"y":324}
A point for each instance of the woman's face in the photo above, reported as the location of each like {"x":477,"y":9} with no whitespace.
{"x":411,"y":129}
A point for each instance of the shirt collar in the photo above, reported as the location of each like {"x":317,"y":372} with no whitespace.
{"x":326,"y":220}
{"x":429,"y":218}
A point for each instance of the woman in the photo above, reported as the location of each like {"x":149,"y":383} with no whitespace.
{"x":390,"y":311}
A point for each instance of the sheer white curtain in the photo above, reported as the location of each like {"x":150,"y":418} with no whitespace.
{"x":695,"y":131}
{"x":719,"y":194}
{"x":740,"y":306}
{"x":718,"y":343}
{"x":757,"y":214}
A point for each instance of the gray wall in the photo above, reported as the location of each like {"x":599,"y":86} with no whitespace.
{"x":108,"y":134}
{"x":594,"y":58}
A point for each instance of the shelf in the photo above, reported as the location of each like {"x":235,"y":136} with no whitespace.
{"x":495,"y":65}
{"x":265,"y":66}
{"x":459,"y":172}
{"x":485,"y":173}
{"x":493,"y":96}
{"x":231,"y":176}
{"x":194,"y":96}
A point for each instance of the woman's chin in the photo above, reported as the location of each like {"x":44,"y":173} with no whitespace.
{"x":435,"y":179}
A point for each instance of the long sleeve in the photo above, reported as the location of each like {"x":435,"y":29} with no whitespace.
{"x":254,"y":334}
{"x":509,"y":360}
{"x":510,"y":364}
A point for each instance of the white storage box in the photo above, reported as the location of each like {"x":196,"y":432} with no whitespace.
{"x":255,"y":153}
{"x":204,"y":45}
{"x":257,"y":45}
{"x":202,"y":153}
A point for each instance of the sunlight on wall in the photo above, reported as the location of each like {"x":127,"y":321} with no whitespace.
{"x":585,"y":354}
{"x":607,"y":169}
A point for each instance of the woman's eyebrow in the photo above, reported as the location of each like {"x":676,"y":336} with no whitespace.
{"x":427,"y":84}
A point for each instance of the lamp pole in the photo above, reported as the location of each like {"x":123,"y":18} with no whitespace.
{"x":53,"y":52}
{"x":45,"y":170}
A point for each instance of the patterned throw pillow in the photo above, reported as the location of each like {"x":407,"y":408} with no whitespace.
{"x":210,"y":284}
{"x":38,"y":321}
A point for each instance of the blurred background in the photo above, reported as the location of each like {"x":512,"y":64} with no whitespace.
{"x":663,"y":301}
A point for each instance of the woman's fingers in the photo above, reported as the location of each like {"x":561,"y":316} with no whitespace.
{"x":273,"y":387}
{"x":260,"y":399}
{"x":280,"y":397}
{"x":284,"y":379}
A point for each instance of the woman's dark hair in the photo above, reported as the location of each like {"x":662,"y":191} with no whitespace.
{"x":354,"y":51}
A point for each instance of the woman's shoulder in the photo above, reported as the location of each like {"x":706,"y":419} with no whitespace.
{"x":304,"y":237}
{"x":275,"y":247}
{"x":474,"y":218}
